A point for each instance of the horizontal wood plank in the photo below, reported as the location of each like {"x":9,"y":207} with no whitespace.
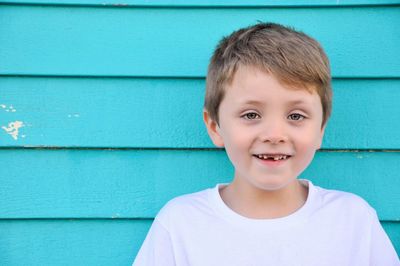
{"x":87,"y":242}
{"x":167,"y":113}
{"x":71,"y":242}
{"x":137,"y":183}
{"x":209,"y":3}
{"x":172,"y":42}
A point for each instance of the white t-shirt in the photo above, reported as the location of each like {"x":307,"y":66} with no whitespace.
{"x":331,"y":228}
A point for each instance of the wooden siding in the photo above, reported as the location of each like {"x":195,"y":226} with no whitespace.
{"x":65,"y":113}
{"x":109,"y":96}
{"x":211,"y":3}
{"x":99,"y":41}
{"x":66,"y":242}
{"x":87,"y":183}
{"x":71,"y":242}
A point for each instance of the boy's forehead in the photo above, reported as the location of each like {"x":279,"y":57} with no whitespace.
{"x":250,"y":86}
{"x":305,"y":100}
{"x":251,"y":101}
{"x":250,"y":74}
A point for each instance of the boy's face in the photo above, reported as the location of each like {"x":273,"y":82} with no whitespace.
{"x":269,"y":132}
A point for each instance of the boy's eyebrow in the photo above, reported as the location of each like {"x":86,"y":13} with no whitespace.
{"x":256,"y":102}
{"x":295,"y":102}
{"x":251,"y":102}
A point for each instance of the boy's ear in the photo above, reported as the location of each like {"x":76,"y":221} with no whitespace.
{"x":213,"y":130}
{"x":321,"y":137}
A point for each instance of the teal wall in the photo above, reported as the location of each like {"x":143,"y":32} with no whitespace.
{"x":100,"y":115}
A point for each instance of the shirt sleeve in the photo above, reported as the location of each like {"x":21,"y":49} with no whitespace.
{"x":157,"y":248}
{"x":382,"y":250}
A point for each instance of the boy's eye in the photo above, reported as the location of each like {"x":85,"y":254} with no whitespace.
{"x":296,"y":117}
{"x":251,"y":116}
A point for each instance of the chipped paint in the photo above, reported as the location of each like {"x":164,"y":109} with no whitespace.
{"x":9,"y":109}
{"x":13,"y":129}
{"x":74,"y":115}
{"x":115,"y":216}
{"x":120,"y":4}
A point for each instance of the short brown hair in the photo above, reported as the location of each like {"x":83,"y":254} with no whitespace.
{"x":295,"y":59}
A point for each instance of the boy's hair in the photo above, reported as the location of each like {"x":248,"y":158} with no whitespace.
{"x":295,"y":59}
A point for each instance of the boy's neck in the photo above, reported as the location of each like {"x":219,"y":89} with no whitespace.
{"x":261,"y":204}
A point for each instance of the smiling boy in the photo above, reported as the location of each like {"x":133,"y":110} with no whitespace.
{"x":270,"y":134}
{"x":267,"y":103}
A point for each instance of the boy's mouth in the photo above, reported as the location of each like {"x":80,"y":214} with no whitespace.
{"x":272,"y":157}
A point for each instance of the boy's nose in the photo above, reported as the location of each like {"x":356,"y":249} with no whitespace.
{"x":274,"y":133}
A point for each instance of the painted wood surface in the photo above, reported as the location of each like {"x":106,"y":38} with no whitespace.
{"x":83,"y":242}
{"x":109,"y":94}
{"x":137,"y":183}
{"x":167,"y":113}
{"x":208,"y":3}
{"x":177,"y":42}
{"x":66,"y":242}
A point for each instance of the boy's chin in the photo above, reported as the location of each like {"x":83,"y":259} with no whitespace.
{"x":276,"y":184}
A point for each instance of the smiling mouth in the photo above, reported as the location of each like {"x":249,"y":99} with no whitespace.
{"x":272,"y":157}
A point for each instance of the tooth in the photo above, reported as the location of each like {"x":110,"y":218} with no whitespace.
{"x":273,"y":157}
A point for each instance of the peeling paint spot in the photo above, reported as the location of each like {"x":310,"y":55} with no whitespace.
{"x":116,"y":215}
{"x":13,"y":128}
{"x":359,"y":156}
{"x":74,"y":115}
{"x":9,"y":109}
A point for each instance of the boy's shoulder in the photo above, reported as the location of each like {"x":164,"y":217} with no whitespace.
{"x":187,"y":205}
{"x":190,"y":199}
{"x":343,"y":202}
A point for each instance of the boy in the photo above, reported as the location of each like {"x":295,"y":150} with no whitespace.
{"x":268,"y":99}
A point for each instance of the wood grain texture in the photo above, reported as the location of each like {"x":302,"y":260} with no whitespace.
{"x":85,"y":242}
{"x":70,"y":242}
{"x":173,"y":42}
{"x":167,"y":113}
{"x":137,"y":183}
